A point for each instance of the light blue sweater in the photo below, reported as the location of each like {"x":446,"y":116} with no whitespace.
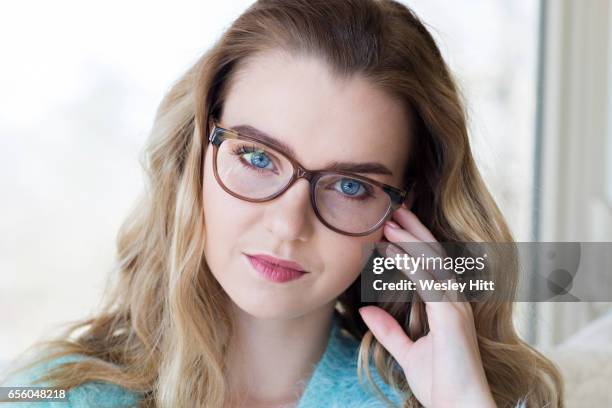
{"x":333,"y":384}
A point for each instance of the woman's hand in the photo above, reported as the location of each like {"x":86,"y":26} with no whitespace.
{"x":443,"y":368}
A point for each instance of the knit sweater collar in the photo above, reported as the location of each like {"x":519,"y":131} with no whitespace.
{"x":334,"y":382}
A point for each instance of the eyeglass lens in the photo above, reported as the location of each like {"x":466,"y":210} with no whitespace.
{"x":255,"y":171}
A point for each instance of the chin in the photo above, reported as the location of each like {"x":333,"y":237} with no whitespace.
{"x":270,"y":308}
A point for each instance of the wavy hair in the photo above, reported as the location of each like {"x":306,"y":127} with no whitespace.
{"x":164,"y":325}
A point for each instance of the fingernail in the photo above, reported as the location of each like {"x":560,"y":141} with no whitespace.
{"x":362,"y":309}
{"x":392,"y":224}
{"x":391,"y":251}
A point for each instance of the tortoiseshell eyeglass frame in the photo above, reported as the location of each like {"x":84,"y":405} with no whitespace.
{"x":396,"y":195}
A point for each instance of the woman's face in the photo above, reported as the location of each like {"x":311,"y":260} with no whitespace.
{"x":296,"y":100}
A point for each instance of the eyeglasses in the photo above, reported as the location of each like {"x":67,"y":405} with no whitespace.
{"x":254,"y":171}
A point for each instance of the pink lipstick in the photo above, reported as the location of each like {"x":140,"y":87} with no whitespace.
{"x":274,"y":269}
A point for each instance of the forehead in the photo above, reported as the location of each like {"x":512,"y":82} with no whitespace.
{"x":324,"y":118}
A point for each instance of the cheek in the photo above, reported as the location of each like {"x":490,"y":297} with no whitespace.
{"x":219,"y":209}
{"x":212,"y":200}
{"x":213,"y":232}
{"x":345,"y":259}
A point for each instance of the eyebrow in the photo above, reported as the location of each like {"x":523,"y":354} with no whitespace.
{"x":354,"y":167}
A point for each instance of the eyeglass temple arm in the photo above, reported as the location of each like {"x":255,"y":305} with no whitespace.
{"x":398,"y":196}
{"x":214,"y":136}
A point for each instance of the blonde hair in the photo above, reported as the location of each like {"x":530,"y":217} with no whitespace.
{"x":164,"y":326}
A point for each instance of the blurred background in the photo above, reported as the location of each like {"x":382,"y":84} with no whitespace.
{"x":80,"y":82}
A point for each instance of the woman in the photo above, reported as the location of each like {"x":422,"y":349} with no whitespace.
{"x":284,"y":150}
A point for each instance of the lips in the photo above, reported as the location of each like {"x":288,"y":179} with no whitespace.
{"x":275,"y":269}
{"x":280,"y":262}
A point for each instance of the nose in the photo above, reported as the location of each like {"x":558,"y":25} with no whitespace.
{"x":290,"y":216}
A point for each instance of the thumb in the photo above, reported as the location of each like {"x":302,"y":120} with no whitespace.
{"x":387,"y":331}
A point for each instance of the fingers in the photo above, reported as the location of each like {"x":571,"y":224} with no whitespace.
{"x":406,"y":241}
{"x":410,"y":222}
{"x":417,"y":275}
{"x":409,"y":236}
{"x":387,"y":331}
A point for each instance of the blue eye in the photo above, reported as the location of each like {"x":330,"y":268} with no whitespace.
{"x":254,"y":158}
{"x":351,"y":187}
{"x":258,"y":159}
